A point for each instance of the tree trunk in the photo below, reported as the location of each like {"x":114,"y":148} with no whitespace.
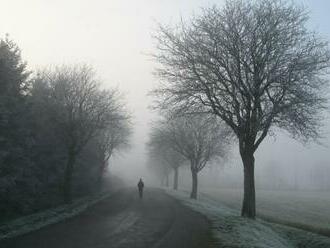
{"x":67,"y":187}
{"x":249,"y":199}
{"x":176,"y":178}
{"x":193,"y":194}
{"x":100,"y":179}
{"x":102,"y":169}
{"x":167,"y":183}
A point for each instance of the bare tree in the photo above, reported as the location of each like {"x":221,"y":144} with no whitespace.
{"x":114,"y":137}
{"x":198,"y":138}
{"x":252,"y":63}
{"x":81,"y":109}
{"x":162,"y":150}
{"x":159,"y":168}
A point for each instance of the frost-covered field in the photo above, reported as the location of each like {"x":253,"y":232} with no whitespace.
{"x":233,"y":231}
{"x":308,"y":210}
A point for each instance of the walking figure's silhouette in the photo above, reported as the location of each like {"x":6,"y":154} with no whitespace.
{"x":140,"y":187}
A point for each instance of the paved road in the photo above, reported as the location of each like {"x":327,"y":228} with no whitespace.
{"x":124,"y":221}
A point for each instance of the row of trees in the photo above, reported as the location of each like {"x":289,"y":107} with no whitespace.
{"x":196,"y":139}
{"x":58,"y":130}
{"x":253,"y":64}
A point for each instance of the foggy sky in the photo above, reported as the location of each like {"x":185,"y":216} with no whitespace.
{"x":114,"y":36}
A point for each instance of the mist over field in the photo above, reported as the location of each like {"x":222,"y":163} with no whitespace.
{"x":115,"y":37}
{"x":115,"y":94}
{"x":282,"y":162}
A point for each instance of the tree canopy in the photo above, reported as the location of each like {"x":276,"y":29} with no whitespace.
{"x":254,"y":64}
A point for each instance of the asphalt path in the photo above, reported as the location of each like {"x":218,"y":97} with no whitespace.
{"x":124,"y":221}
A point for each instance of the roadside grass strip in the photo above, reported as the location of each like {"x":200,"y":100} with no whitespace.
{"x":232,"y":231}
{"x":38,"y":220}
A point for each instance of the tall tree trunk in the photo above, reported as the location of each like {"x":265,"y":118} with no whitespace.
{"x":100,"y":182}
{"x":167,"y":183}
{"x":176,"y":178}
{"x":67,"y":187}
{"x":102,"y":170}
{"x":193,"y":194}
{"x":249,"y":199}
{"x":100,"y":178}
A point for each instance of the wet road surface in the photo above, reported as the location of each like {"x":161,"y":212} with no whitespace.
{"x":124,"y":221}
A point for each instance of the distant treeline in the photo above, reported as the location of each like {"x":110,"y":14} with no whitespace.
{"x":58,"y":129}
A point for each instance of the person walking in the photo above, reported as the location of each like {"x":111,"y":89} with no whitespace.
{"x":140,"y":187}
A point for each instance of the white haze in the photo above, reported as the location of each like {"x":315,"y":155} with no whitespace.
{"x":114,"y":36}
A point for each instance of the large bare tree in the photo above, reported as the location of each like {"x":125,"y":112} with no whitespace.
{"x":81,"y":110}
{"x":252,"y":63}
{"x":199,"y":139}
